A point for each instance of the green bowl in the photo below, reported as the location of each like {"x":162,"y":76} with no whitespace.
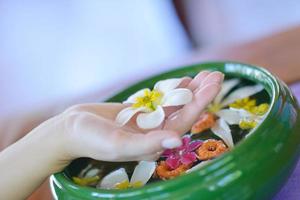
{"x":255,"y":169}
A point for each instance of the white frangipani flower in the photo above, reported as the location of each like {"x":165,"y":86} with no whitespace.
{"x":221,"y":100}
{"x":151,"y":102}
{"x":119,"y":179}
{"x":227,"y":116}
{"x":241,"y":117}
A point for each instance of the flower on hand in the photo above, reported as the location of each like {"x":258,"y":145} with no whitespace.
{"x":149,"y":103}
{"x":182,"y":155}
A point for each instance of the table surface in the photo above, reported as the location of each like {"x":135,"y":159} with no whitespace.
{"x":279,"y":53}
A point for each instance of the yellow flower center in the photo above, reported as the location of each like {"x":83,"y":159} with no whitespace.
{"x":250,"y":106}
{"x":150,"y":100}
{"x":126,"y":184}
{"x":261,"y":109}
{"x":86,"y":181}
{"x":246,"y":104}
{"x":247,"y":124}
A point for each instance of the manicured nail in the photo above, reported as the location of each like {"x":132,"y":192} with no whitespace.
{"x":171,"y":143}
{"x":223,"y":75}
{"x":219,"y":78}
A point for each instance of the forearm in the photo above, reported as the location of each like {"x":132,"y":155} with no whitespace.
{"x":28,"y":162}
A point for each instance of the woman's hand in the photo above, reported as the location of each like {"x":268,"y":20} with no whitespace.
{"x":89,"y":130}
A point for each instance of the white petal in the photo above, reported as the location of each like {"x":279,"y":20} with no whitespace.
{"x":199,"y":166}
{"x":222,"y":130}
{"x":241,"y":93}
{"x":151,"y":119}
{"x":226,"y":87}
{"x":230,"y":116}
{"x":139,"y":93}
{"x":92,"y":172}
{"x":243,"y":113}
{"x":143,"y":172}
{"x":177,"y":97}
{"x":126,"y":114}
{"x":81,"y":174}
{"x":110,"y":180}
{"x":167,"y":85}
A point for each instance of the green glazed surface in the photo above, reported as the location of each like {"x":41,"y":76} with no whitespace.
{"x":255,"y":169}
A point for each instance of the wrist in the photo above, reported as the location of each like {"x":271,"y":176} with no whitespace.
{"x":32,"y":159}
{"x":48,"y":144}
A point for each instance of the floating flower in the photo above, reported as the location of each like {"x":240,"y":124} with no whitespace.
{"x":222,"y":99}
{"x":245,"y":118}
{"x":206,"y":121}
{"x":237,"y":98}
{"x":119,"y":179}
{"x":165,"y":172}
{"x":182,"y":155}
{"x":246,"y":104}
{"x":150,"y":103}
{"x":88,"y":176}
{"x":210,"y":149}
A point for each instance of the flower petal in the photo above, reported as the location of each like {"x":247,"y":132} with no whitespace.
{"x":186,"y":141}
{"x":188,"y":158}
{"x":173,"y":161}
{"x":152,"y":119}
{"x":230,"y":116}
{"x":167,"y":153}
{"x":83,"y":172}
{"x":194,"y":145}
{"x":126,"y":114}
{"x":199,"y":166}
{"x":177,"y":97}
{"x":143,"y":172}
{"x":140,"y":93}
{"x":113,"y":178}
{"x":93,"y":172}
{"x":243,"y":113}
{"x":241,"y":93}
{"x":226,"y":87}
{"x":222,"y":130}
{"x":167,"y":85}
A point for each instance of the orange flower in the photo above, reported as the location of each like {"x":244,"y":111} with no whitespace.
{"x":210,"y":149}
{"x":206,"y":121}
{"x":165,"y":172}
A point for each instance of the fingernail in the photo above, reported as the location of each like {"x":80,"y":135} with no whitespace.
{"x":220,"y":78}
{"x":171,"y":143}
{"x":223,"y":75}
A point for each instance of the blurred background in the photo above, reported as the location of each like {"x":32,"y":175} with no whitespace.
{"x":51,"y":50}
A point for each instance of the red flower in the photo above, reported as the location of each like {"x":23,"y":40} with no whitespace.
{"x":182,"y":155}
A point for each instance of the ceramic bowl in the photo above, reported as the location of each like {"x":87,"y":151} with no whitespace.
{"x":255,"y":169}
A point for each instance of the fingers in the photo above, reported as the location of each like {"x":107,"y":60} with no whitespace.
{"x":197,"y":80}
{"x":213,"y":77}
{"x":185,"y":82}
{"x":182,"y":120}
{"x":145,"y":146}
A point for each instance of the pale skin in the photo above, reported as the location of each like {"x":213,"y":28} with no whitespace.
{"x":89,"y":130}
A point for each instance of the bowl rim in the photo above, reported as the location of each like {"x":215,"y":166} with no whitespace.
{"x":230,"y":67}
